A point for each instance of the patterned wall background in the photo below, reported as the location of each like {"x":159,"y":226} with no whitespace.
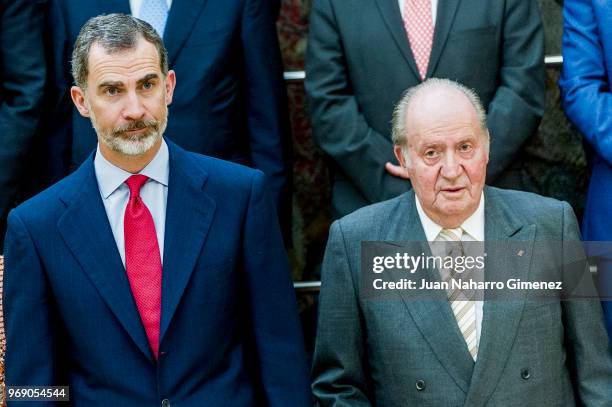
{"x":311,"y":197}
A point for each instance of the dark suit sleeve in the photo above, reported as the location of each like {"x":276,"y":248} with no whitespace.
{"x":22,"y":81}
{"x":281,"y":359}
{"x":518,"y":105}
{"x":266,"y":100}
{"x":56,"y":144}
{"x":28,"y":313}
{"x":338,"y":126}
{"x":588,"y":350}
{"x":585,"y":88}
{"x":339,"y":376}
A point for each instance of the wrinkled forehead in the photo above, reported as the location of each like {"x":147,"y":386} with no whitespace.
{"x":123,"y":64}
{"x":441,"y":115}
{"x":446,"y":134}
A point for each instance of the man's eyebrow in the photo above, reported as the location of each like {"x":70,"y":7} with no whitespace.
{"x":148,"y":77}
{"x":470,"y":137}
{"x":107,"y":84}
{"x":431,"y":144}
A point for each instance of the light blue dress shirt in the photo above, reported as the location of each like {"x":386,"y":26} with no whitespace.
{"x":115,"y":194}
{"x":135,"y":7}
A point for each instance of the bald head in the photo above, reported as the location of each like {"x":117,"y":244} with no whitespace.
{"x":436,"y":102}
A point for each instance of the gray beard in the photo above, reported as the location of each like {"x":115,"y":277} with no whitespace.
{"x":131,"y":145}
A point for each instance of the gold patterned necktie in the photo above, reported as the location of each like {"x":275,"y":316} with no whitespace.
{"x":462,"y":303}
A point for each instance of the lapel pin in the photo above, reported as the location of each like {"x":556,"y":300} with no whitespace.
{"x":520,"y":252}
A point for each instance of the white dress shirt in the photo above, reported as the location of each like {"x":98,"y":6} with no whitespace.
{"x":473,"y":231}
{"x":135,"y":7}
{"x":434,"y":9}
{"x":115,"y":194}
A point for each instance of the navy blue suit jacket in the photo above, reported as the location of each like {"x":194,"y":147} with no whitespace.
{"x":229,"y":100}
{"x":229,"y":333}
{"x":587,"y":100}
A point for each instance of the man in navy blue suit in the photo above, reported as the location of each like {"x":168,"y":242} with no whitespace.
{"x":149,"y":275}
{"x":229,"y":102}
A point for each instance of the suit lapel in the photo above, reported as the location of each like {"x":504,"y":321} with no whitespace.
{"x":505,"y":237}
{"x":447,"y":10}
{"x":189,"y":213}
{"x":181,"y":19}
{"x":389,"y":9}
{"x":432,"y":312}
{"x":86,"y":231}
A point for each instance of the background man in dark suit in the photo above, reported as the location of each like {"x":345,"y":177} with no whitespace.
{"x":230,"y":100}
{"x":22,"y":81}
{"x":439,"y":348}
{"x":361,"y":56}
{"x":150,"y":275}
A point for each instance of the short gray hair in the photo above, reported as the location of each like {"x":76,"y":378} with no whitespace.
{"x":114,"y":32}
{"x":399,"y":125}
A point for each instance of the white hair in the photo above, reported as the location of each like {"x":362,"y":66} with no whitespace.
{"x":399,"y":125}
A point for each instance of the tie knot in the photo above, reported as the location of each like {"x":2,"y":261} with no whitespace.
{"x":453,"y":235}
{"x":134,"y":183}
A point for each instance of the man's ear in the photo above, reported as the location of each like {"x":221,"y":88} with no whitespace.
{"x":78,"y":98}
{"x":170,"y":85}
{"x":399,"y":154}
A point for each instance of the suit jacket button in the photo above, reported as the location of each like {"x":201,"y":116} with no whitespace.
{"x":165,"y":403}
{"x":420,"y":385}
{"x":525,"y":374}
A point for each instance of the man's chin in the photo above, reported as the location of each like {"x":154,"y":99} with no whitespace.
{"x":456,"y":209}
{"x":132,"y":146}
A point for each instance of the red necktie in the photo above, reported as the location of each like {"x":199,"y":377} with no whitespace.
{"x":418,"y":22}
{"x":142,"y":260}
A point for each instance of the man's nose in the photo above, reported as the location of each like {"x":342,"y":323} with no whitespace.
{"x":133,"y":108}
{"x":451,"y":166}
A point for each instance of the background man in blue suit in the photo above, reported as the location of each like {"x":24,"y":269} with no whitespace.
{"x":585,"y":85}
{"x":150,"y":275}
{"x":229,"y":101}
{"x":22,"y":80}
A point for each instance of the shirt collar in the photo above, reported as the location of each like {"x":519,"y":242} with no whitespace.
{"x":110,"y":177}
{"x":473,"y":226}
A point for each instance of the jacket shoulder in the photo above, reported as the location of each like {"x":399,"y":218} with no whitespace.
{"x":47,"y":203}
{"x":553,"y":218}
{"x":225,"y":176}
{"x":370,"y":221}
{"x":532,"y":207}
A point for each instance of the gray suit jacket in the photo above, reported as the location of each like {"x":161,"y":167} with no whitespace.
{"x":404,"y":352}
{"x":359,"y":63}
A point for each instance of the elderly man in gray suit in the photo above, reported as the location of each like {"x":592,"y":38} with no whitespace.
{"x":400,"y":351}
